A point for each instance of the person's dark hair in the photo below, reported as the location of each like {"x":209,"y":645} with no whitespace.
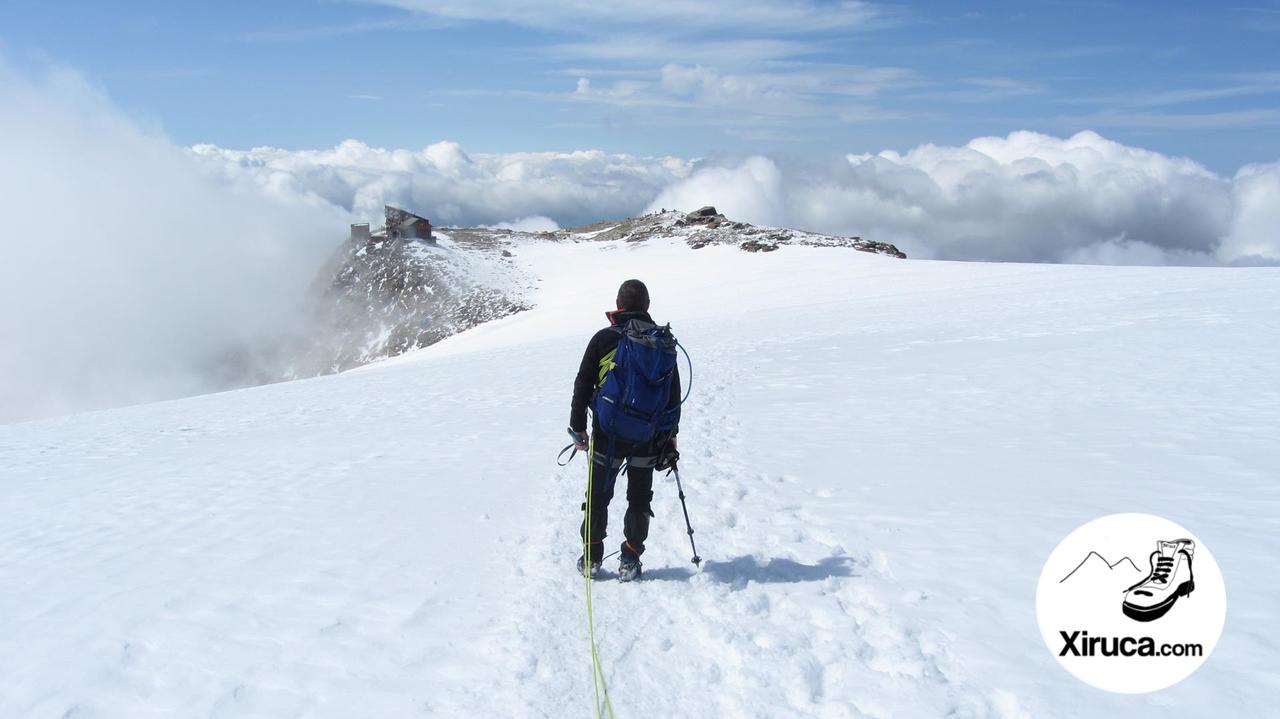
{"x":633,"y":296}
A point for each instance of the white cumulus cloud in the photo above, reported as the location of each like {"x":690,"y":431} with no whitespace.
{"x":1024,"y":197}
{"x":752,"y":191}
{"x":1255,"y":221}
{"x":452,"y":187}
{"x":537,"y":223}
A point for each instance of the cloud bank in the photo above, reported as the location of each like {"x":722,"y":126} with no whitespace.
{"x":456,"y":189}
{"x":133,"y":269}
{"x":1025,"y":197}
{"x":128,"y":272}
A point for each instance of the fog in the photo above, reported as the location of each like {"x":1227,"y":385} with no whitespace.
{"x":127,"y":271}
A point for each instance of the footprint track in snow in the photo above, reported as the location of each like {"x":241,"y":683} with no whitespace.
{"x":780,"y":620}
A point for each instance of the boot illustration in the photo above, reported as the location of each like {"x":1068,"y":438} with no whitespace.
{"x":1169,"y":579}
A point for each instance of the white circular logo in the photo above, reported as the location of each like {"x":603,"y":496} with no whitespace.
{"x":1131,"y":603}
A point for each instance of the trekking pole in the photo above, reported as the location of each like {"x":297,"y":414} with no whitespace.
{"x":680,"y":489}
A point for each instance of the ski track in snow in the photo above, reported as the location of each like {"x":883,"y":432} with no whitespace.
{"x":878,"y":456}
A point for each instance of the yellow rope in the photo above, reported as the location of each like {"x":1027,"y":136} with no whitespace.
{"x":597,"y":674}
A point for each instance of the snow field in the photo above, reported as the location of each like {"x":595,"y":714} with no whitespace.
{"x":878,"y":457}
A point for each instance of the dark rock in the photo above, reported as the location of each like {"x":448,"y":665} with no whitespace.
{"x":879,"y":248}
{"x":391,"y":297}
{"x":757,"y":246}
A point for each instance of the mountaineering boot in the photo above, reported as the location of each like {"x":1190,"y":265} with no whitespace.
{"x":629,"y":564}
{"x":628,"y":569}
{"x":595,"y":568}
{"x":1169,"y":579}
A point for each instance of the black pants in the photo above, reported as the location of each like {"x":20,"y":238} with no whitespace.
{"x":640,"y":459}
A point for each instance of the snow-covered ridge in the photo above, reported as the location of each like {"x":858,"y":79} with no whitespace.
{"x":705,"y":227}
{"x":383,"y":298}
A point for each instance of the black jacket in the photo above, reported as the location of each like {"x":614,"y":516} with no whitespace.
{"x":601,"y":344}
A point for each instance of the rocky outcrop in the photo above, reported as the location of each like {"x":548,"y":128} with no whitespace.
{"x":757,"y":246}
{"x":706,"y":226}
{"x":389,"y":295}
{"x":386,"y":298}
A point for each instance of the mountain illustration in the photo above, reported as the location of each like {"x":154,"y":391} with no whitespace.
{"x":1093,"y":559}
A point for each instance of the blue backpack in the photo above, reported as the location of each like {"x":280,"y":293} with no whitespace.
{"x":632,"y":400}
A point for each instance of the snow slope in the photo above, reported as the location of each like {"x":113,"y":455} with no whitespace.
{"x":879,"y":455}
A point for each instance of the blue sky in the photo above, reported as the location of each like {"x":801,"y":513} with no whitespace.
{"x":695,"y":78}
